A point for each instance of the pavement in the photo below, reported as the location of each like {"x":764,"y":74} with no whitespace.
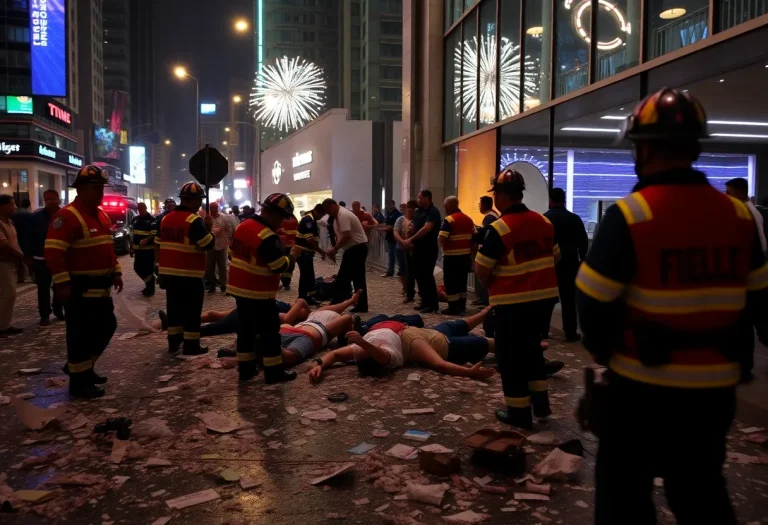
{"x":275,"y":451}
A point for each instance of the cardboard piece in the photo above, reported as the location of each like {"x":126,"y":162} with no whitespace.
{"x":182,"y":502}
{"x":362,"y":448}
{"x":325,"y":414}
{"x":336,"y":471}
{"x":436,"y":448}
{"x":402,"y":452}
{"x":378,"y":433}
{"x":543,"y":438}
{"x":218,"y":422}
{"x":451,"y":418}
{"x":119,"y":447}
{"x":468,"y":517}
{"x":417,"y":435}
{"x":161,"y":521}
{"x":429,"y":494}
{"x":527,"y":496}
{"x":414,"y":411}
{"x":558,"y":464}
{"x":36,"y":418}
{"x":247,"y":483}
{"x":229,"y":475}
{"x":165,"y":378}
{"x":76,"y":422}
{"x":157,"y":462}
{"x":33,"y":496}
{"x":167,"y":389}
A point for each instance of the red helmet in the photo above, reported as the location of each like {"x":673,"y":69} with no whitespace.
{"x":279,"y":203}
{"x":191,"y":190}
{"x":668,"y":114}
{"x":91,"y":175}
{"x":508,"y":179}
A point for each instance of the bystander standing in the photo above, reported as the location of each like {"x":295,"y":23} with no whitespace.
{"x":425,"y":228}
{"x":222,"y":230}
{"x":388,"y":224}
{"x":10,"y":258}
{"x":349,"y":235}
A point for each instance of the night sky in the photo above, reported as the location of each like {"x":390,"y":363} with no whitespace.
{"x":199,"y":35}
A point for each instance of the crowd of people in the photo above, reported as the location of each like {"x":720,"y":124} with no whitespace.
{"x":668,"y":299}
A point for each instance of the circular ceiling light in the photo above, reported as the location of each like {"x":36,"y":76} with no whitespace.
{"x":671,"y":14}
{"x":624,"y":26}
{"x":535,"y":31}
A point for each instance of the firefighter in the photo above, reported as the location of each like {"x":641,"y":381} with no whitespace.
{"x":456,"y":241}
{"x":517,"y":264}
{"x":288,"y":230}
{"x":258,"y":260}
{"x":667,"y":298}
{"x":183,"y":238}
{"x":144,"y":231}
{"x":80,"y":253}
{"x":308,"y":238}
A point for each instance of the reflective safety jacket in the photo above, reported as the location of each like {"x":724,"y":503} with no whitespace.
{"x":288,"y":231}
{"x":521,"y":251}
{"x":308,"y":231}
{"x":457,"y":230}
{"x":79,"y":248}
{"x":143,"y":227}
{"x":258,"y":259}
{"x":183,"y":240}
{"x":685,"y":297}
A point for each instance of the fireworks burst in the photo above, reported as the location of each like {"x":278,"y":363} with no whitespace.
{"x":288,"y":94}
{"x":465,"y":85}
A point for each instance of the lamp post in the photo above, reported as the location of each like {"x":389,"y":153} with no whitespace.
{"x":182,"y":73}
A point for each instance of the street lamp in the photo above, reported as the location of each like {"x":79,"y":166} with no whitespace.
{"x":167,"y":142}
{"x":241,"y":25}
{"x":237,"y":99}
{"x":183,"y":155}
{"x":182,"y":73}
{"x":224,"y":143}
{"x":227,"y":130}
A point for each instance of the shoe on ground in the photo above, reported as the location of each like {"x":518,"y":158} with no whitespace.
{"x":479,"y":302}
{"x":226,"y":352}
{"x":279,"y":375}
{"x":449,"y":311}
{"x":553,"y":367}
{"x":195,"y":351}
{"x":247,"y":372}
{"x":407,"y":300}
{"x":93,"y":377}
{"x":11,"y":331}
{"x":572,"y":338}
{"x":223,"y":289}
{"x":358,"y":310}
{"x":287,"y":287}
{"x":430,"y":310}
{"x":420,"y":307}
{"x":172,"y":349}
{"x":85,"y":391}
{"x":45,"y":322}
{"x":163,"y":319}
{"x":517,"y":417}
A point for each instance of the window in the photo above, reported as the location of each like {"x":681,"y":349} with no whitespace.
{"x":452,"y":88}
{"x":469,"y":74}
{"x":309,"y":36}
{"x":509,"y":97}
{"x":618,"y":46}
{"x":391,"y":72}
{"x":453,"y":11}
{"x":488,"y":68}
{"x":391,"y":50}
{"x":672,"y":27}
{"x":391,"y":94}
{"x":572,"y":48}
{"x":18,"y":34}
{"x":390,"y":28}
{"x":391,"y":7}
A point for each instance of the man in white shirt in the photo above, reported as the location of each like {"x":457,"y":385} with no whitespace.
{"x":222,"y":230}
{"x":738,"y":188}
{"x":350,"y":236}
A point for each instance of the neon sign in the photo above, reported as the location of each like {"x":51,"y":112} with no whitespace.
{"x":59,"y":114}
{"x":277,"y":172}
{"x":302,"y":159}
{"x":302,"y":175}
{"x":578,"y":12}
{"x":46,"y":152}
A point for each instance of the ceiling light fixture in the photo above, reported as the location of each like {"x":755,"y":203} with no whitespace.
{"x":671,"y":14}
{"x":737,"y":123}
{"x":538,"y":31}
{"x":721,"y":80}
{"x":591,"y":130}
{"x":613,"y":117}
{"x":739,"y":135}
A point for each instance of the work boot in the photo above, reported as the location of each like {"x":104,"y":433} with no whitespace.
{"x":148,"y":292}
{"x":454,"y":308}
{"x":517,"y":417}
{"x":278,"y":374}
{"x":247,"y":370}
{"x":59,"y":315}
{"x":553,"y":367}
{"x":81,"y":386}
{"x":195,"y":350}
{"x":95,"y":378}
{"x":45,"y":321}
{"x":463,"y":305}
{"x":540,"y":404}
{"x":163,"y":319}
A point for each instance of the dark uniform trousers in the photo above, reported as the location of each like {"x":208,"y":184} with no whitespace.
{"x":306,"y":263}
{"x":43,"y":280}
{"x":676,"y":434}
{"x":184,"y":300}
{"x":287,"y":275}
{"x":455,"y":271}
{"x":352,"y":269}
{"x":90,"y":323}
{"x":258,"y":333}
{"x":519,"y":356}
{"x":425,"y":259}
{"x":410,"y":275}
{"x":566,"y":285}
{"x":144,"y":266}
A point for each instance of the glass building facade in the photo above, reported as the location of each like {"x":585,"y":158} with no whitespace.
{"x":546,"y":84}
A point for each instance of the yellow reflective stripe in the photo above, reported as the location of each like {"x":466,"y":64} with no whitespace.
{"x":191,"y":336}
{"x":98,"y":273}
{"x":76,"y":368}
{"x":741,"y":209}
{"x":117,"y":269}
{"x":178,"y":247}
{"x":635,"y":208}
{"x":449,"y":218}
{"x":56,"y":244}
{"x":451,"y":298}
{"x":60,"y":277}
{"x":758,"y":279}
{"x":255,"y":270}
{"x":482,"y":260}
{"x":524,"y":297}
{"x":556,"y":250}
{"x":463,"y":251}
{"x":93,"y":241}
{"x":249,"y":356}
{"x":501,"y":227}
{"x":444,"y":233}
{"x":96,"y":293}
{"x":277,"y":263}
{"x":461,"y":237}
{"x":291,"y":232}
{"x":175,"y":330}
{"x":266,"y":232}
{"x":526,"y":267}
{"x":158,"y":240}
{"x":681,"y":376}
{"x":143,"y":232}
{"x":686,"y":301}
{"x":139,"y":247}
{"x":73,"y":210}
{"x":181,"y":273}
{"x":537,"y":386}
{"x":249,"y":294}
{"x":545,"y":218}
{"x":597,"y":286}
{"x":205,"y":240}
{"x":304,"y":235}
{"x":273,"y":361}
{"x":517,"y":402}
{"x":192,"y":218}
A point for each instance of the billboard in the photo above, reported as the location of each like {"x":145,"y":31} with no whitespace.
{"x":137,"y":156}
{"x":19,"y":105}
{"x":207,"y":108}
{"x":106,"y":144}
{"x":48,"y":43}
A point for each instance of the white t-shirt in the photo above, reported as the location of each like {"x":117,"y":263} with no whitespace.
{"x":386,"y":339}
{"x":758,"y":218}
{"x":347,"y":222}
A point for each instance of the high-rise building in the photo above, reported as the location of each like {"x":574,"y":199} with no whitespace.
{"x":381,"y":59}
{"x":142,"y":59}
{"x":117,"y":59}
{"x":90,"y":66}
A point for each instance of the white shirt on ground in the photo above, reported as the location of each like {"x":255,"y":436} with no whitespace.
{"x":386,"y":339}
{"x":346,"y":221}
{"x":758,"y":218}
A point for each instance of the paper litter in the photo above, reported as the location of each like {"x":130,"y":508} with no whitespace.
{"x":325,"y":414}
{"x":430,"y":494}
{"x":196,"y":498}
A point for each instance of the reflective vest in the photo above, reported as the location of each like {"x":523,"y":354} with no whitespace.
{"x":143,"y":228}
{"x":249,"y":275}
{"x":179,"y":255}
{"x":288,"y":231}
{"x":692,"y":246}
{"x":79,"y":248}
{"x":526,"y":272}
{"x":459,"y":240}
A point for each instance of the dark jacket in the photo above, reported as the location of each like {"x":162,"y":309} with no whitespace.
{"x":570,"y":234}
{"x":36,"y":228}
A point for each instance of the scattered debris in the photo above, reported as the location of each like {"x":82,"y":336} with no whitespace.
{"x":218,"y":422}
{"x":439,"y":464}
{"x":537,"y":488}
{"x":468,"y":517}
{"x":269,"y":432}
{"x":196,"y":498}
{"x":292,"y":410}
{"x":430,"y":494}
{"x":165,"y":378}
{"x":402,"y":452}
{"x":119,"y":448}
{"x":161,"y":521}
{"x":157,"y":462}
{"x":335,"y":472}
{"x":417,"y":435}
{"x":378,"y":433}
{"x":325,"y":414}
{"x":247,"y":483}
{"x":33,"y":496}
{"x":582,"y":504}
{"x":167,"y":389}
{"x":543,"y":438}
{"x":29,"y":371}
{"x":483,"y":481}
{"x":362,"y":448}
{"x":77,"y":479}
{"x":229,"y":475}
{"x":359,"y":502}
{"x":36,"y":418}
{"x":414,"y":377}
{"x":76,"y":422}
{"x":153,"y":427}
{"x":55,"y":382}
{"x":558,"y":464}
{"x":528,"y":496}
{"x":451,"y":418}
{"x":382,"y":508}
{"x":436,"y":448}
{"x":750,"y":430}
{"x":414,"y":411}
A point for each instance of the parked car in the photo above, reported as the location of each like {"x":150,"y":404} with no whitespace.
{"x":121,"y":210}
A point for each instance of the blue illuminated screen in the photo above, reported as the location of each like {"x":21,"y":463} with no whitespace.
{"x":48,"y":41}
